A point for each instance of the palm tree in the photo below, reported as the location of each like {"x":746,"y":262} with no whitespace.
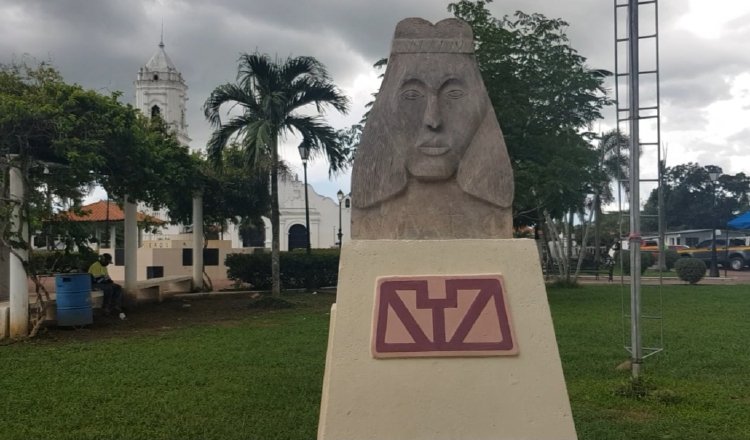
{"x":613,"y":150}
{"x":269,"y":94}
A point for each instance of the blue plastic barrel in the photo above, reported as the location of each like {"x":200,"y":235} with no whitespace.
{"x":73,"y":292}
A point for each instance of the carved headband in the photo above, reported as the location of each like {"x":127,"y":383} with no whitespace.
{"x":432,"y":45}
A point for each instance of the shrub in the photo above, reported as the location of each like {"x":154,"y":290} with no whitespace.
{"x":298,"y":269}
{"x":49,"y":262}
{"x":691,"y":270}
{"x":670,"y":258}
{"x":589,"y":263}
{"x":250,"y":268}
{"x":647,"y":260}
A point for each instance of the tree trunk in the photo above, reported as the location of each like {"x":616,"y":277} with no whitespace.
{"x":275,"y":247}
{"x":198,"y":244}
{"x":540,"y":244}
{"x":584,"y":239}
{"x":569,"y":245}
{"x":597,"y":232}
{"x":554,"y":237}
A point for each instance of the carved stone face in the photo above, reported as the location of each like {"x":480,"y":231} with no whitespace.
{"x":440,"y":103}
{"x":432,"y":163}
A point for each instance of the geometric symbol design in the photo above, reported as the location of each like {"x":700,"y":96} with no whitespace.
{"x":436,"y":315}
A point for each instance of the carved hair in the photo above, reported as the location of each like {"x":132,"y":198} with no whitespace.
{"x":379,"y":171}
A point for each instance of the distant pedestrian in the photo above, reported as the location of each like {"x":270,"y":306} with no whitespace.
{"x":613,"y":252}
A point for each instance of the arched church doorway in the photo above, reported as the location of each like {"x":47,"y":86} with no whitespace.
{"x":297,"y":237}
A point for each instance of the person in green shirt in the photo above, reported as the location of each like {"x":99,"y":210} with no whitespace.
{"x":100,"y":279}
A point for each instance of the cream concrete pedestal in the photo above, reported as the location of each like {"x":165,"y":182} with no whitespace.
{"x":518,"y":397}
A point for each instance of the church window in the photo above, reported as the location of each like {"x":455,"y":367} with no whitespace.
{"x":347,"y":203}
{"x":155,"y":111}
{"x":156,"y":77}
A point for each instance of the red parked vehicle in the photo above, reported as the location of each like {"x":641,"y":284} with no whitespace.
{"x":653,"y":247}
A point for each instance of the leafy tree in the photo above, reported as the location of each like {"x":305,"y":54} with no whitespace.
{"x":545,"y":97}
{"x":270,"y":94}
{"x":609,"y":227}
{"x":693,"y":201}
{"x":231,"y":193}
{"x":66,"y":139}
{"x":38,"y":123}
{"x":611,"y":150}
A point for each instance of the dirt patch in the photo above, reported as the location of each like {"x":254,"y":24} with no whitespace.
{"x":178,"y":312}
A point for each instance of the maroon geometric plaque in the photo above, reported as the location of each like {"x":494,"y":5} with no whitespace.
{"x":437,"y":315}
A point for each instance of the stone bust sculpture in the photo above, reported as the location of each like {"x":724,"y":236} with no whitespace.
{"x":432,"y":162}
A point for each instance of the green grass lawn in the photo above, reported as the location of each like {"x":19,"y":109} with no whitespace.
{"x":701,"y":381}
{"x":259,"y":376}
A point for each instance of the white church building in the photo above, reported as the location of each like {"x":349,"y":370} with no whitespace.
{"x":160,"y":90}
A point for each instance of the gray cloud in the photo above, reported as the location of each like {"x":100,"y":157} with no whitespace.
{"x":101,"y":44}
{"x":741,"y":137}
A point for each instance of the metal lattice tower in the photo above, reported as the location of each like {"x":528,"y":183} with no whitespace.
{"x":638,"y":117}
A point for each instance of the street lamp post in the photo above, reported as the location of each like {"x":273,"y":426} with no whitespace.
{"x":304,"y":153}
{"x":714,"y":265}
{"x":340,"y":196}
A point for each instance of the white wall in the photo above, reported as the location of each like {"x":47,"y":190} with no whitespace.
{"x":170,"y":258}
{"x":324,"y":219}
{"x":324,"y":216}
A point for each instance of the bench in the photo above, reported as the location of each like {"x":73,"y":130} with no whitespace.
{"x":156,"y":289}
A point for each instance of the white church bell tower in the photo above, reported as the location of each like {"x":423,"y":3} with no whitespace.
{"x":160,"y":90}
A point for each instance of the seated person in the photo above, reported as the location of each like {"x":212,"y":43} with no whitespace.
{"x":100,"y":280}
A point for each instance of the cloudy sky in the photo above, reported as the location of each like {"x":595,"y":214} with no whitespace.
{"x":100,"y":44}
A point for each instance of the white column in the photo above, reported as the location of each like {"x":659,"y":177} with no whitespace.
{"x":131,"y":250}
{"x":18,"y":286}
{"x":198,"y":242}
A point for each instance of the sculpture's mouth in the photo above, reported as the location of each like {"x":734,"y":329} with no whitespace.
{"x":433,"y":150}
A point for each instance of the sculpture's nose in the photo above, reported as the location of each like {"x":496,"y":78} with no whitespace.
{"x":432,"y":117}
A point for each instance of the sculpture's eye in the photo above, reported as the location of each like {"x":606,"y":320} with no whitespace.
{"x":455,"y":94}
{"x":411,"y":94}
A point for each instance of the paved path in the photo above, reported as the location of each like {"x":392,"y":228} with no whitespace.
{"x":732,"y":278}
